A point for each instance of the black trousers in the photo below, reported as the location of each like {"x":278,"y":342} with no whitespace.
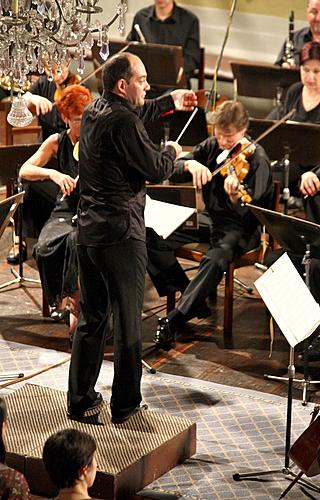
{"x":226,"y":246}
{"x":111,"y":279}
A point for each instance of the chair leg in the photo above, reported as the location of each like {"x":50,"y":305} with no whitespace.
{"x":228,"y":306}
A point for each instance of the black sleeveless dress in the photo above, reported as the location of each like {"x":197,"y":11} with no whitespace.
{"x":55,"y":251}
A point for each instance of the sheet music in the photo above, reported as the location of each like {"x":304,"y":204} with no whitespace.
{"x":164,"y":217}
{"x":289,"y":300}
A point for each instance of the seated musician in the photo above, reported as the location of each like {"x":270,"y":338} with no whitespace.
{"x":39,"y":199}
{"x":55,"y":250}
{"x":304,"y":97}
{"x":168,"y":24}
{"x":310,"y":33}
{"x":234,"y":230}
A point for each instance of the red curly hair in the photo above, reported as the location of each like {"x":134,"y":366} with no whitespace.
{"x":73,"y":100}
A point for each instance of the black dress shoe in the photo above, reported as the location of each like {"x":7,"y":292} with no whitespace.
{"x":13,"y":255}
{"x":123,"y":418}
{"x":165,"y":335}
{"x":90,"y":411}
{"x":60,"y":315}
{"x":313,"y":351}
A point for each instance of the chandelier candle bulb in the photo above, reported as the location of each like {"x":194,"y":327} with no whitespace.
{"x":15,"y":7}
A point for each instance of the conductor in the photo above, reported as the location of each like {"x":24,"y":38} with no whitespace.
{"x":116,"y":157}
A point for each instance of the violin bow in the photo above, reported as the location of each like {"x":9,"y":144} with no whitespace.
{"x":255,"y":141}
{"x":212,"y":94}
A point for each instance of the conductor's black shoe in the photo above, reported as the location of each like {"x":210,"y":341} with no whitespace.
{"x":165,"y":335}
{"x":13,"y":255}
{"x":313,"y":351}
{"x":90,"y":411}
{"x":117,"y":419}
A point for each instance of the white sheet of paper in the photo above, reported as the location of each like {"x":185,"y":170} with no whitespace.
{"x":164,"y":217}
{"x":289,"y":300}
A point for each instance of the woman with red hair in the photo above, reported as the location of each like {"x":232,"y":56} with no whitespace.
{"x":55,"y":251}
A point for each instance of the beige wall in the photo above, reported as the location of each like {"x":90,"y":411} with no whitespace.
{"x":278,"y":8}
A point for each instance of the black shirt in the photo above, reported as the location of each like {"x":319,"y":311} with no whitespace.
{"x":218,"y":204}
{"x":181,"y":28}
{"x":300,"y":37}
{"x":294,"y":100}
{"x":50,"y":122}
{"x":116,"y":157}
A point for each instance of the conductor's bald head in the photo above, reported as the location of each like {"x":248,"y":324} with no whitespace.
{"x":125,"y":75}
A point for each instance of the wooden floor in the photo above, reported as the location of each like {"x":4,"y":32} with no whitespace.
{"x":199,"y":351}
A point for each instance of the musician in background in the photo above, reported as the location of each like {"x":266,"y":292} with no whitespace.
{"x":44,"y":92}
{"x":234,"y":230}
{"x":310,"y":33}
{"x":168,"y":24}
{"x":304,"y":97}
{"x":40,"y":197}
{"x":55,"y":251}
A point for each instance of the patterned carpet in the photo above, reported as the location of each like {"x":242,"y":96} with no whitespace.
{"x":238,"y":430}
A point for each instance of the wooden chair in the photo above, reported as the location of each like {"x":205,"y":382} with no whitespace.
{"x":195,"y":251}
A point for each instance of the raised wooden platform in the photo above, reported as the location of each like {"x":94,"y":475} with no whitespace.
{"x":129,"y":456}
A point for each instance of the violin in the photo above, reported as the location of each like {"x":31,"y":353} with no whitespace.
{"x":238,"y":165}
{"x":72,"y":79}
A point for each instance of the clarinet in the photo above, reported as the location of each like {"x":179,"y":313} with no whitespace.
{"x":289,"y":47}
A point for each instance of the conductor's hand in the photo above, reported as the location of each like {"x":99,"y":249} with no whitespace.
{"x":200,"y":174}
{"x":231,"y":187}
{"x":184,"y":100}
{"x":65,"y":182}
{"x":176,"y":146}
{"x":40,"y":104}
{"x":310,"y":184}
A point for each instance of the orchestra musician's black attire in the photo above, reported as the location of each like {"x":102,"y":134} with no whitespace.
{"x":293,"y":100}
{"x":116,"y":158}
{"x":40,"y":196}
{"x":55,"y":250}
{"x":300,"y":37}
{"x":181,"y":28}
{"x":234,"y":230}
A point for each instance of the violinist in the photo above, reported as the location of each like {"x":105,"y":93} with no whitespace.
{"x":44,"y":92}
{"x":310,"y":33}
{"x":55,"y":251}
{"x":39,"y":199}
{"x":234,"y":230}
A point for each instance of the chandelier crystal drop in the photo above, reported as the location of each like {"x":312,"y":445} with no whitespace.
{"x":35,"y":35}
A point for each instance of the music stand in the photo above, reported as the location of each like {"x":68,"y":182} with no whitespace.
{"x":164,"y":63}
{"x":7,"y":210}
{"x":263,"y":80}
{"x":299,"y":237}
{"x":291,"y":142}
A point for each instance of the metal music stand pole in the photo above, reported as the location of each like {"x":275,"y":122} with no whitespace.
{"x":292,"y":234}
{"x":285,"y":470}
{"x":18,"y":276}
{"x":306,"y":382}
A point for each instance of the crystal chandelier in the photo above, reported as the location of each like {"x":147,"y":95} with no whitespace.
{"x":36,"y":34}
